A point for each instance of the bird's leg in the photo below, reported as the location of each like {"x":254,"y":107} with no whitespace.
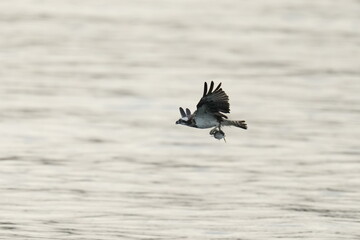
{"x":213,"y":131}
{"x":221,"y":132}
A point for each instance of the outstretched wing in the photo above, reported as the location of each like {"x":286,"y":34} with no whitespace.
{"x":186,"y":114}
{"x":214,"y":101}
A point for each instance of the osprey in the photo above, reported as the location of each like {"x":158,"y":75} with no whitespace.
{"x":210,"y":112}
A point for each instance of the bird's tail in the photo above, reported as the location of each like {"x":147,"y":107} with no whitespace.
{"x":240,"y":124}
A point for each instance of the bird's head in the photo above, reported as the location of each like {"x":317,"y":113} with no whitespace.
{"x":183,"y":121}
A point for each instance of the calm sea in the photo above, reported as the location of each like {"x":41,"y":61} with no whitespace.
{"x":90,"y":92}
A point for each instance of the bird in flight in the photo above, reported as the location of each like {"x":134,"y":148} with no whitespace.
{"x":210,"y":112}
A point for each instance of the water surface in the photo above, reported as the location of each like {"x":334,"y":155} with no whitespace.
{"x":90,"y":92}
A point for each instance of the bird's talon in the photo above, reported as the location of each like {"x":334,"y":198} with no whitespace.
{"x":213,"y":131}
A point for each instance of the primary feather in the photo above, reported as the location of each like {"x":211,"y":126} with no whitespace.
{"x":214,"y":102}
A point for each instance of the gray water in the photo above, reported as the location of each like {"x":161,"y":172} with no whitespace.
{"x":90,"y":92}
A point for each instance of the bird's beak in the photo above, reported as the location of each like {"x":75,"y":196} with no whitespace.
{"x":177,"y":122}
